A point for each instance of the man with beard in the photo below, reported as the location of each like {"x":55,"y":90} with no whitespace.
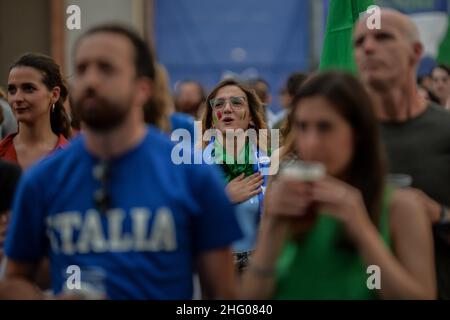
{"x":118,"y":219}
{"x":416,"y":134}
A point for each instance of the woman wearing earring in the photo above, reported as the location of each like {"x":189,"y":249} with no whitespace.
{"x":36,"y":93}
{"x":234,"y":109}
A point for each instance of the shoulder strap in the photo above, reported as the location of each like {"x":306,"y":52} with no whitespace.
{"x":384,"y":215}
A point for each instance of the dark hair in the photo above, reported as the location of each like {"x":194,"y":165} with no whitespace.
{"x":349,"y":98}
{"x":197,"y":83}
{"x":431,"y":96}
{"x":263,"y":94}
{"x":51,"y":77}
{"x":200,"y":105}
{"x":294,"y":82}
{"x":443,"y":67}
{"x":143,"y":59}
{"x":422,"y":78}
{"x":9,"y":176}
{"x":75,"y":121}
{"x":255,"y":81}
{"x":2,"y":96}
{"x":254,"y":104}
{"x":293,"y":85}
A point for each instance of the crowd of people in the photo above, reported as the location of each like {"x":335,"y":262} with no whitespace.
{"x":87,"y":177}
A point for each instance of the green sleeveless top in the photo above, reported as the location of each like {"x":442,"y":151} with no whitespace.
{"x":317,"y":268}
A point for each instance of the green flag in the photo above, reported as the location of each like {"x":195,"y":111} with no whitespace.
{"x":444,"y":48}
{"x":338,"y":48}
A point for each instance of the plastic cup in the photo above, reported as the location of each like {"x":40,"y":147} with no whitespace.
{"x":399,"y":180}
{"x":305,"y":172}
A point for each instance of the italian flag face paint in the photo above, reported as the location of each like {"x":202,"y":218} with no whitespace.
{"x":243,"y":114}
{"x":217,"y":116}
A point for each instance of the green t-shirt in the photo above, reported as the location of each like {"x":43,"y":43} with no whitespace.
{"x":318,"y":268}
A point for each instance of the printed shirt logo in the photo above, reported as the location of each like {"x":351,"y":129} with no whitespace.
{"x":92,"y":238}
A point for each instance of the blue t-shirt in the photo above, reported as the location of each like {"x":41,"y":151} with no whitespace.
{"x":145,"y":246}
{"x":248,"y":217}
{"x":184,"y":126}
{"x":180,"y":120}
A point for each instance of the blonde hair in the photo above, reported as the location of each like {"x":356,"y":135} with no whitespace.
{"x":159,"y":107}
{"x":2,"y":93}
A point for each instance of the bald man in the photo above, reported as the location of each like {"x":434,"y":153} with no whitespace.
{"x":416,"y":134}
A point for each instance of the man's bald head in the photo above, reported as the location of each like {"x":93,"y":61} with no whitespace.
{"x":395,"y":18}
{"x":387,"y":56}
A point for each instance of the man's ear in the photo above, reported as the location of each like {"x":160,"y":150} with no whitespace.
{"x":145,"y":90}
{"x":418,"y":50}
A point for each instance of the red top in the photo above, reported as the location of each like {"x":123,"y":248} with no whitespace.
{"x":8,"y":152}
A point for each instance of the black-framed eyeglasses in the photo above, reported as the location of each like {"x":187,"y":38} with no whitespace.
{"x":102,"y":197}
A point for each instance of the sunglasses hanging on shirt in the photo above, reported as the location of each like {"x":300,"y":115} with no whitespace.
{"x":102,"y":197}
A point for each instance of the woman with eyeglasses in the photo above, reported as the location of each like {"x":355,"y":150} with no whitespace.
{"x":365,"y":240}
{"x":239,"y":144}
{"x":36,"y":93}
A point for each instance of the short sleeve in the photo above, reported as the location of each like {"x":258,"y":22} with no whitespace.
{"x":216,"y":225}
